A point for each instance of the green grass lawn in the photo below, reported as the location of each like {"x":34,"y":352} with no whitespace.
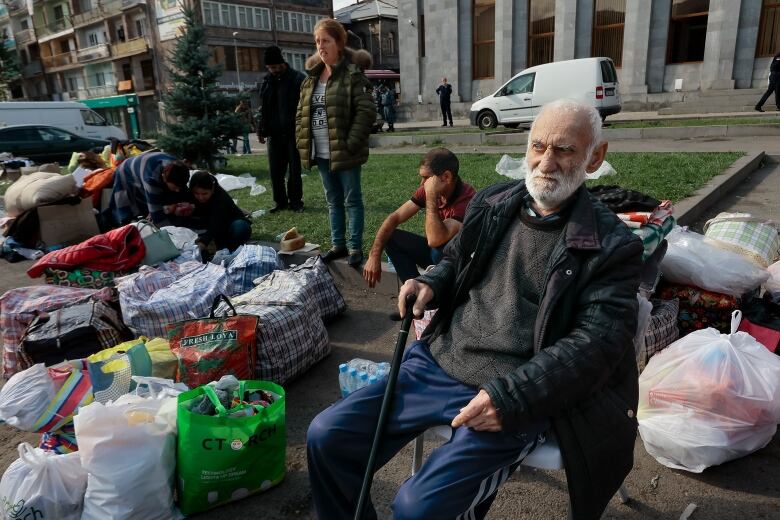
{"x":388,"y":180}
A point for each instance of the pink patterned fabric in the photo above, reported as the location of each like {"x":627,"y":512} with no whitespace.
{"x":17,"y":310}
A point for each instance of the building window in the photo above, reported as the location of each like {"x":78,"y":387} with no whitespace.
{"x":687,"y":31}
{"x":249,"y":59}
{"x":58,"y":13}
{"x":769,"y":30}
{"x":92,"y":39}
{"x":237,"y":16}
{"x":294,"y":59}
{"x":484,"y":29}
{"x":609,"y":19}
{"x":388,"y":47}
{"x":541,"y":31}
{"x":289,"y":21}
{"x":24,"y":24}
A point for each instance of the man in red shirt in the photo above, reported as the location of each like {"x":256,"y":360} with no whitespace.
{"x":444,"y":197}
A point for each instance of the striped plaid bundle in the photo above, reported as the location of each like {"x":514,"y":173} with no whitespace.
{"x":18,"y":308}
{"x":250,"y":262}
{"x":153,"y":298}
{"x":311,"y":277}
{"x":754,"y":238}
{"x":289,"y":340}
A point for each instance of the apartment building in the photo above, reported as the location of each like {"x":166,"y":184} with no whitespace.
{"x":113,"y":55}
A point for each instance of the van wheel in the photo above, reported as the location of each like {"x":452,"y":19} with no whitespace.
{"x":512,"y":125}
{"x":487,"y":119}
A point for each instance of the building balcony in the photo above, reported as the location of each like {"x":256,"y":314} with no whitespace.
{"x":16,"y":7}
{"x":34,"y":68}
{"x":127,"y":4}
{"x":130,"y":47}
{"x":91,"y":16}
{"x":24,"y":37}
{"x":60,"y":60}
{"x":4,"y":16}
{"x":54,"y":27}
{"x":111,"y":7}
{"x":98,"y":92}
{"x":95,"y":52}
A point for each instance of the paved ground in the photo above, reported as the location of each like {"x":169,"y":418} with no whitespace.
{"x":746,"y":488}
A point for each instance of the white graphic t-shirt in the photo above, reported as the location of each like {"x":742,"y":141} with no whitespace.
{"x":319,"y":123}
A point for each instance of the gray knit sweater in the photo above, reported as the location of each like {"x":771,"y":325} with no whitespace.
{"x":491,"y":333}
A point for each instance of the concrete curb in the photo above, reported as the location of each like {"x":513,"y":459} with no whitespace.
{"x":686,"y":211}
{"x":611,"y":134}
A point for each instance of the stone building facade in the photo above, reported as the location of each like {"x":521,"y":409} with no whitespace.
{"x":661,"y":47}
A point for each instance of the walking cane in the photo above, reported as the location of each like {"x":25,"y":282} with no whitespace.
{"x":387,"y":401}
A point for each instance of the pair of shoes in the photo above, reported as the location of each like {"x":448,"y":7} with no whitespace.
{"x":334,"y":253}
{"x":450,"y":125}
{"x":297,"y":208}
{"x":355,"y":258}
{"x":395,"y":316}
{"x":276,"y":208}
{"x":758,"y":108}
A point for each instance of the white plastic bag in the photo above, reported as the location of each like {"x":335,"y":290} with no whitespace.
{"x":42,"y":485}
{"x":130,"y":455}
{"x":709,"y":398}
{"x":26,"y":396}
{"x":231,"y":182}
{"x":512,"y":168}
{"x":180,"y":236}
{"x":772,"y":285}
{"x":690,"y":260}
{"x":604,"y":170}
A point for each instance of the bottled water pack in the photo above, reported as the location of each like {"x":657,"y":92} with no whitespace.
{"x":359,"y":373}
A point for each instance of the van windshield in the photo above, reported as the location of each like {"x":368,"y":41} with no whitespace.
{"x":92,"y":118}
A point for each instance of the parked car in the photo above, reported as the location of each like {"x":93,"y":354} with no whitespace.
{"x":43,"y":144}
{"x":69,"y":115}
{"x":590,"y":80}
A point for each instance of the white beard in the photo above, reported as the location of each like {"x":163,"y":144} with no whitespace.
{"x":550,"y":194}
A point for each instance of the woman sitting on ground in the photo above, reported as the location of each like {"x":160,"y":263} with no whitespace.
{"x":225,"y":223}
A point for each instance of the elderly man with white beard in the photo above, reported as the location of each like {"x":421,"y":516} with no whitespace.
{"x":536,"y":299}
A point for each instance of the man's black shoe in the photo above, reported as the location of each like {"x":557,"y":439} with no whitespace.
{"x":297,"y":209}
{"x":445,"y":124}
{"x":759,"y":109}
{"x":277,"y":208}
{"x":355,"y":258}
{"x":334,"y":253}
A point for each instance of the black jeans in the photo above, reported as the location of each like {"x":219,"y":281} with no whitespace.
{"x":774,"y":86}
{"x":446,"y":112}
{"x":282,"y":153}
{"x":407,"y":251}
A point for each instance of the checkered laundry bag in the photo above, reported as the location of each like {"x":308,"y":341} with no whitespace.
{"x":153,"y":298}
{"x":662,"y":329}
{"x":247,"y":263}
{"x":312,"y":277}
{"x":290,"y":339}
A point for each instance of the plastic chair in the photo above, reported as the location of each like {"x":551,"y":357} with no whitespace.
{"x":545,"y":456}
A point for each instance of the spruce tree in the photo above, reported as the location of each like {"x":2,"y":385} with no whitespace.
{"x":202,"y":119}
{"x":9,"y":69}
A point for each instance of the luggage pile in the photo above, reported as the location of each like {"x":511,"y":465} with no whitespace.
{"x":126,"y":369}
{"x":708,"y":344}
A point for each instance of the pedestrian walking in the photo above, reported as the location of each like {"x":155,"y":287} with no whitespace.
{"x":445,"y":91}
{"x":244,"y":111}
{"x":279,"y":96}
{"x":388,"y":108}
{"x":334,"y":119}
{"x":774,"y":84}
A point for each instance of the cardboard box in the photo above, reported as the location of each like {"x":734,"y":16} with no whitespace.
{"x":66,"y":224}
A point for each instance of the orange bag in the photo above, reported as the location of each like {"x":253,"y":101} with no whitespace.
{"x":95,"y":182}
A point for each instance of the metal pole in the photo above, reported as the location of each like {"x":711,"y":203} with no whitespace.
{"x":235,"y":50}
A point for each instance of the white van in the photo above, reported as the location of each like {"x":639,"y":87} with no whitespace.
{"x":68,"y":115}
{"x":590,"y":80}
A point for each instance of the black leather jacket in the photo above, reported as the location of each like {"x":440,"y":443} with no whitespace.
{"x":583,"y":376}
{"x":288,"y":92}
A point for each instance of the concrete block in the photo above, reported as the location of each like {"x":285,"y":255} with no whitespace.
{"x":752,"y":130}
{"x":612,"y":134}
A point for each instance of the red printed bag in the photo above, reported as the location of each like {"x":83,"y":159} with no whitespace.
{"x":209,"y":348}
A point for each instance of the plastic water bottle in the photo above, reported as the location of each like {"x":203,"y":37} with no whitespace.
{"x":362,"y":379}
{"x":384,"y":369}
{"x":365,"y":365}
{"x":352,"y":380}
{"x":343,"y":379}
{"x":390,"y":266}
{"x":372,"y":380}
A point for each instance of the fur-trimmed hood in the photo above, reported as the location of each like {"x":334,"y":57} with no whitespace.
{"x":359,"y":57}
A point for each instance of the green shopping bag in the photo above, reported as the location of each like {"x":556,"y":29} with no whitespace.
{"x":220,"y":458}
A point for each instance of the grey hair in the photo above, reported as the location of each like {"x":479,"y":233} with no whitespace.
{"x":572,"y":106}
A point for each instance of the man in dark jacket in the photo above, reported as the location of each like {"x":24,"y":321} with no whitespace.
{"x":279,"y":96}
{"x":445,"y":91}
{"x":537,"y":307}
{"x":774,"y":84}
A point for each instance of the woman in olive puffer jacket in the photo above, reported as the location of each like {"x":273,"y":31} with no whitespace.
{"x":333,"y":123}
